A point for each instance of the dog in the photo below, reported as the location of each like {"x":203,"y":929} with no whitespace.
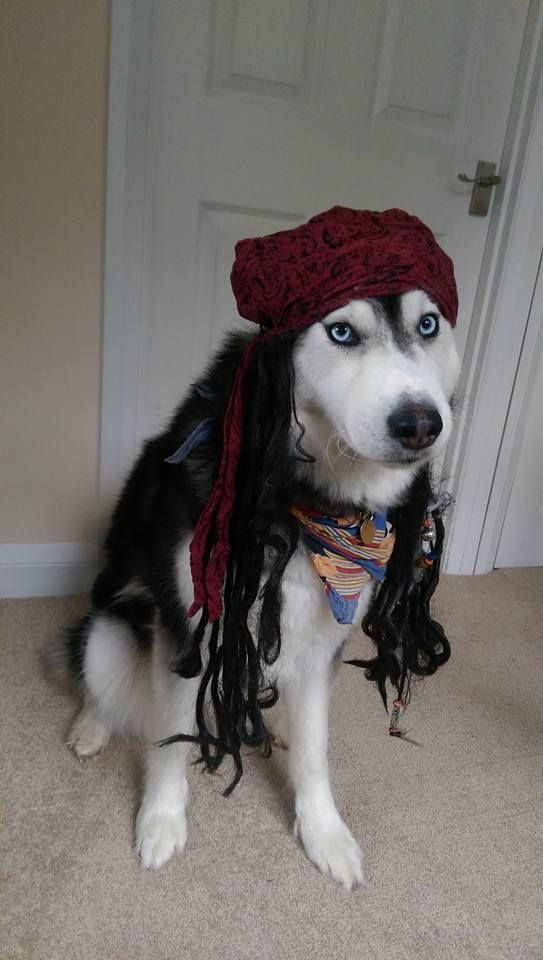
{"x":347,"y":415}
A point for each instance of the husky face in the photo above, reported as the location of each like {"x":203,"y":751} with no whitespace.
{"x":374,"y":382}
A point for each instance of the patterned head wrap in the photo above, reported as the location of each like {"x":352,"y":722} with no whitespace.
{"x":287,"y":281}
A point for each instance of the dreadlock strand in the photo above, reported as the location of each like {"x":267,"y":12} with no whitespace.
{"x":408,"y":640}
{"x":263,"y":539}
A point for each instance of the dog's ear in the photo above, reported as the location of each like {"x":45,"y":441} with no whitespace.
{"x":407,"y":639}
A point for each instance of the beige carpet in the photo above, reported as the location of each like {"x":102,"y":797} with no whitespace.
{"x":451,"y":829}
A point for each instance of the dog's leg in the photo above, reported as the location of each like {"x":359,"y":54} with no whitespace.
{"x":326,"y":840}
{"x":161,"y":826}
{"x":90,"y":732}
{"x":276,"y":719}
{"x":113,"y":686}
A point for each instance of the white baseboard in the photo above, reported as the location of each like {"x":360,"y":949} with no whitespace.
{"x":46,"y":569}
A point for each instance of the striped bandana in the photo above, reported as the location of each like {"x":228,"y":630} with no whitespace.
{"x":346,"y":552}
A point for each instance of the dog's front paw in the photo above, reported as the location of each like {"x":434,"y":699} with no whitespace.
{"x":89,"y":734}
{"x":332,"y":848}
{"x":158,"y":836}
{"x":277,"y":725}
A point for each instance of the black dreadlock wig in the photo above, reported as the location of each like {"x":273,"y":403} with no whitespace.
{"x":264,"y":536}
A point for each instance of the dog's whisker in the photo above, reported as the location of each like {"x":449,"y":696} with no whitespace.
{"x":333,"y":436}
{"x":343,"y":453}
{"x":342,"y":450}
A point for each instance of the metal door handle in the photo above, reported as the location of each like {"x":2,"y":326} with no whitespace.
{"x":481,"y":181}
{"x":485,"y":178}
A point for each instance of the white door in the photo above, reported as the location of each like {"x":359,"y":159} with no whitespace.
{"x":521,"y":541}
{"x":264,"y":112}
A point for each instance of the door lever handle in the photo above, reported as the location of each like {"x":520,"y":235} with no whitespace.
{"x":485,"y":178}
{"x":493,"y":181}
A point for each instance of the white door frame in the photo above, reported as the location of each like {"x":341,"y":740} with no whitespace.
{"x":506,"y":285}
{"x":513,"y":437}
{"x":129,"y":102}
{"x":493,"y":368}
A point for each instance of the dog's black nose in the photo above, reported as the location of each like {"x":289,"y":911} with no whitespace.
{"x":415,"y":426}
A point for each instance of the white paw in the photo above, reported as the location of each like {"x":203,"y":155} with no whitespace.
{"x":279,"y":742}
{"x":158,"y":836}
{"x":332,"y":848}
{"x":88,"y":735}
{"x":277,"y":725}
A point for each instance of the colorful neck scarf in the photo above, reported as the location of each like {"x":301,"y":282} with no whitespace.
{"x":346,"y":552}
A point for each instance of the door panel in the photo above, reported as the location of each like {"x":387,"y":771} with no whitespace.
{"x":262,"y":114}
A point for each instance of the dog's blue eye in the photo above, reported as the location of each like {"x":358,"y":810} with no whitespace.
{"x":429,"y":326}
{"x":343,"y":333}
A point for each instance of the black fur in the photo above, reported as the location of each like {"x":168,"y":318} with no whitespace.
{"x":390,"y":310}
{"x":158,"y":510}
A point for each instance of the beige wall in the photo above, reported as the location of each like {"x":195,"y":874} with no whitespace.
{"x":54,"y":56}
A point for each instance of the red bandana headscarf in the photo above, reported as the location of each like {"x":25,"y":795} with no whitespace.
{"x":290,"y":280}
